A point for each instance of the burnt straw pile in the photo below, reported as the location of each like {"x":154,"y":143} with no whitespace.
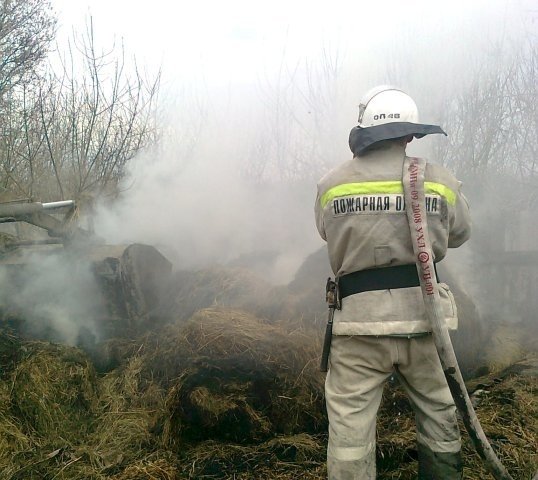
{"x":227,"y":388}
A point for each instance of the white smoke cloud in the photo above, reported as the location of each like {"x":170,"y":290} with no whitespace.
{"x":54,"y":293}
{"x":293,"y":110}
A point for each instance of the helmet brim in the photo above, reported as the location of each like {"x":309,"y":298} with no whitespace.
{"x":362,"y":138}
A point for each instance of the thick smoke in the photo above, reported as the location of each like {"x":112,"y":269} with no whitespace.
{"x":52,"y":294}
{"x":211,"y":214}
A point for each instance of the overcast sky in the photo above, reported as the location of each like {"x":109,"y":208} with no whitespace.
{"x":233,"y":39}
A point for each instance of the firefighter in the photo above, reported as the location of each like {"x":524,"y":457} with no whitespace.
{"x":380,"y":327}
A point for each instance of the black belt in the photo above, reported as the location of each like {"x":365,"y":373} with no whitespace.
{"x":401,"y":276}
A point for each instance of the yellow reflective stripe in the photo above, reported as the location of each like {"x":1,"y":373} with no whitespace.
{"x":388,"y":187}
{"x":363,"y":188}
{"x":440,"y":189}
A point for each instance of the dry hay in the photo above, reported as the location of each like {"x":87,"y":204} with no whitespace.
{"x":128,"y":409}
{"x":47,"y":409}
{"x":10,"y":352}
{"x":12,"y":438}
{"x":224,"y":395}
{"x":283,"y":457}
{"x":154,"y":467}
{"x":53,"y":390}
{"x":508,"y":412}
{"x":64,"y":424}
{"x":224,"y":375}
{"x":247,"y":382}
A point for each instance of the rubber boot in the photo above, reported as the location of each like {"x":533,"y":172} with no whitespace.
{"x":439,"y":466}
{"x":363,"y":469}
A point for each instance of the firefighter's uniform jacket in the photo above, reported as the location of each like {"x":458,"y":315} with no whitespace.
{"x":360,"y":212}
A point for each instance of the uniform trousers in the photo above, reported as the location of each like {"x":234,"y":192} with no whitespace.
{"x":358,"y":369}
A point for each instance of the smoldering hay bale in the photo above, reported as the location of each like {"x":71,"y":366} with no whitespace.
{"x":247,"y":381}
{"x":230,"y":377}
{"x":223,"y":286}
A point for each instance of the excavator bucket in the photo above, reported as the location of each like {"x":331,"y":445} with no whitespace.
{"x":70,"y":283}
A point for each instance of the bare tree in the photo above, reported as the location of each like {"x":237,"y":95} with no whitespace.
{"x":492,"y":121}
{"x":301,"y":115}
{"x":20,"y":146}
{"x":27,"y":27}
{"x":73,"y":134}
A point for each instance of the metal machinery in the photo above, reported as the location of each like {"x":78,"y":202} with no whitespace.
{"x":46,"y":255}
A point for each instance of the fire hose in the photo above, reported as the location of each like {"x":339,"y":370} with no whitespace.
{"x":413,"y":185}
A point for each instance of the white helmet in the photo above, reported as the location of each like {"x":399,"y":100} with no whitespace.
{"x":387,"y":112}
{"x":386,"y":104}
